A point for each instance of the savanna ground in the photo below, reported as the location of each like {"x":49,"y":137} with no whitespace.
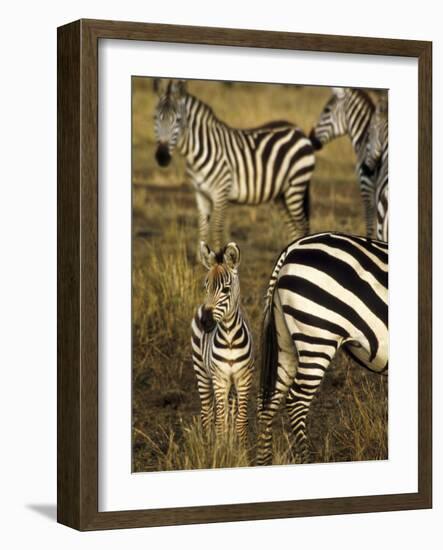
{"x":348,"y":416}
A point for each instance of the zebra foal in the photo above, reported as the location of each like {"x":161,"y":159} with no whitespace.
{"x":225,"y":165}
{"x":222,"y":347}
{"x":327,"y":291}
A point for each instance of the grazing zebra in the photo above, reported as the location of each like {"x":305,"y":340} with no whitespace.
{"x":377,"y":160}
{"x":222,"y":348}
{"x":327,"y":291}
{"x":224,"y":164}
{"x":349,"y":111}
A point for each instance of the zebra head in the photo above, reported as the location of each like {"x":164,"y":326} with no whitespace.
{"x":222,"y":284}
{"x":169,"y":118}
{"x":376,"y":134}
{"x":332,"y":121}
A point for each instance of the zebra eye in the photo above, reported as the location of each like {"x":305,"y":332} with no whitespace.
{"x":226,"y":289}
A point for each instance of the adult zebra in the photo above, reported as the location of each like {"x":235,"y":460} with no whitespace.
{"x":377,"y":161}
{"x":349,"y":111}
{"x":327,"y":291}
{"x":222,"y":348}
{"x":224,"y":164}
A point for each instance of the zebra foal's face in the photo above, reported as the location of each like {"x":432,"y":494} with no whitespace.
{"x":221,"y":284}
{"x":332,"y":121}
{"x":169,"y":119}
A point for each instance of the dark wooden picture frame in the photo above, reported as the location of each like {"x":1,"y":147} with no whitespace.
{"x":77,"y":480}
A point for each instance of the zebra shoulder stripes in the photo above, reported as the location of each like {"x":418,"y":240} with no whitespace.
{"x":377,"y":161}
{"x":242,"y":166}
{"x":327,"y":291}
{"x":222,"y":348}
{"x":349,"y":111}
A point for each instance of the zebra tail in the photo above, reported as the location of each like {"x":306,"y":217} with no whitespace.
{"x":269,"y":356}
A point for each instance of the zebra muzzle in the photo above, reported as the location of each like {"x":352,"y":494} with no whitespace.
{"x":367,"y":170}
{"x":207,"y":320}
{"x":316,"y":143}
{"x":162,"y":155}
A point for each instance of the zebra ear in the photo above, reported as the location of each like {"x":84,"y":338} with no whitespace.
{"x":231,"y":255}
{"x":206,"y":255}
{"x":382,"y":105}
{"x":179,"y":88}
{"x":157,"y":86}
{"x":339,"y":92}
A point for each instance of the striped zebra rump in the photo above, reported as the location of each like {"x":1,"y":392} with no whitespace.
{"x":273,"y":162}
{"x":349,"y":112}
{"x":222,"y":346}
{"x":329,"y":291}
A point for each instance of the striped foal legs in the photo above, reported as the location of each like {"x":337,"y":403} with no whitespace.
{"x":204,"y":384}
{"x":221,"y":393}
{"x":242,"y":385}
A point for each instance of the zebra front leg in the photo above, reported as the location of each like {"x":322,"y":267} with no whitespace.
{"x":206,"y":393}
{"x":221,"y":395}
{"x":207,"y":407}
{"x":218,"y":221}
{"x":367,"y":192}
{"x":205,"y":207}
{"x":204,"y":382}
{"x":242,"y":387}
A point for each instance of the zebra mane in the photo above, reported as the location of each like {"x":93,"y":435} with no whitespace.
{"x":192,"y":100}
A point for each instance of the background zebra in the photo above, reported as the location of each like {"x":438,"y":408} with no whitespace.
{"x":327,"y":291}
{"x":271,"y":162}
{"x":377,"y":161}
{"x":349,"y":111}
{"x":222,"y":350}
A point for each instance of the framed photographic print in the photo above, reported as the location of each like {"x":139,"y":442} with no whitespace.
{"x":227,"y":203}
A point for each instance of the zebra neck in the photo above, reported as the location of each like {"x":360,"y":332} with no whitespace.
{"x":358,"y":120}
{"x":201,"y":126}
{"x":233,"y":320}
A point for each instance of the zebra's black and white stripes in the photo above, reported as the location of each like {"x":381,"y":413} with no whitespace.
{"x":377,"y":162}
{"x":224,"y":164}
{"x":327,"y":291}
{"x":222,"y":348}
{"x":349,"y":111}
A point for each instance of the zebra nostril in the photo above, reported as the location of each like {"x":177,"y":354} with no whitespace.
{"x":207,"y":320}
{"x":162,"y":155}
{"x":316,"y":143}
{"x":367,"y":170}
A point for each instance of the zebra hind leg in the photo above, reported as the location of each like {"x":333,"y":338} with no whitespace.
{"x":315,"y":357}
{"x":296,"y":203}
{"x":286,"y":365}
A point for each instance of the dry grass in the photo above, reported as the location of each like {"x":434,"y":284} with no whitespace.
{"x":348,"y":418}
